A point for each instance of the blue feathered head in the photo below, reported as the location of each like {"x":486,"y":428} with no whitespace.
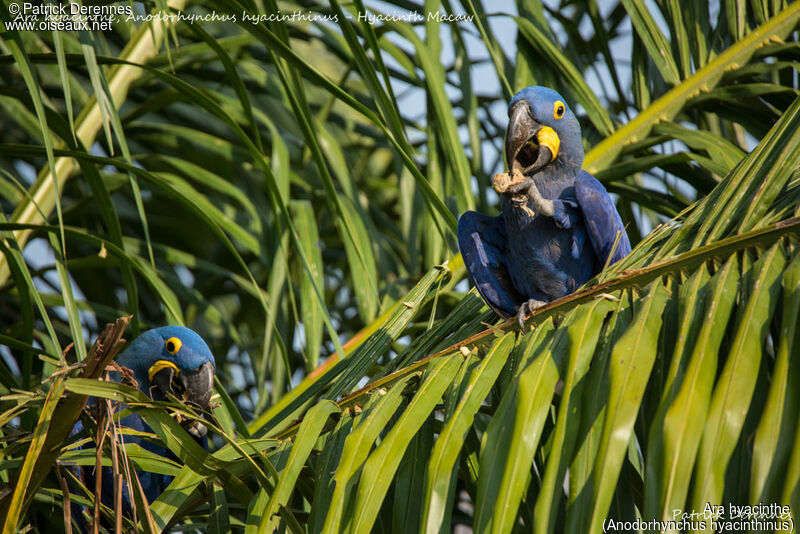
{"x":542,"y":129}
{"x":171,"y":359}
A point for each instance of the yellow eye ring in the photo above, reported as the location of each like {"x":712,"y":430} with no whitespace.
{"x":559,"y":109}
{"x":173,"y":345}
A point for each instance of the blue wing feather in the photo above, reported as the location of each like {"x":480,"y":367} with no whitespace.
{"x":482,"y":240}
{"x":601,"y":218}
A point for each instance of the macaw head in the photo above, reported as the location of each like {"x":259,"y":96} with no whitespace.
{"x":542,"y":130}
{"x":171,"y":359}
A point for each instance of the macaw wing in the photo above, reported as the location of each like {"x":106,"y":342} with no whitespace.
{"x":482,"y":240}
{"x":601,"y":219}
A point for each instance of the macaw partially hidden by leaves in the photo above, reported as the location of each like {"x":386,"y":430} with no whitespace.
{"x":558,"y":224}
{"x":171,"y":360}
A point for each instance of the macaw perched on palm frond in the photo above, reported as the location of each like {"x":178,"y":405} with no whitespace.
{"x":171,"y":360}
{"x":558,"y":224}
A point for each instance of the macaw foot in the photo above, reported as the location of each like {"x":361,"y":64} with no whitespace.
{"x":197,"y":429}
{"x":560,"y":213}
{"x":525,"y":308}
{"x":520,"y":185}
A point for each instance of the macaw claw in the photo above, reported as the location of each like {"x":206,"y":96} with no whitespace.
{"x":560,"y":213}
{"x":525,"y":308}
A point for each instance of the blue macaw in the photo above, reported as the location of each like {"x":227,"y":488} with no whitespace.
{"x":170,"y":359}
{"x":537,"y":249}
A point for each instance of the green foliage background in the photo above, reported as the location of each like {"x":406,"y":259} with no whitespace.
{"x":268,"y":185}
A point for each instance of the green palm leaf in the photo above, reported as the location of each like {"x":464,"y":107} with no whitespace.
{"x":290,"y":189}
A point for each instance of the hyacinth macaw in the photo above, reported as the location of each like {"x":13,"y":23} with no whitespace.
{"x":170,"y":359}
{"x":558,"y":224}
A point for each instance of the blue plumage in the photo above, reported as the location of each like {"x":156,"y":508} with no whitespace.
{"x":168,"y":360}
{"x":190,"y":353}
{"x":558,"y":224}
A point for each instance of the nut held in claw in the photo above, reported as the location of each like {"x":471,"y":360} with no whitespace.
{"x":503,"y":181}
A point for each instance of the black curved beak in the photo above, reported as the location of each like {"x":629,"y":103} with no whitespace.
{"x":191,"y":386}
{"x":198,"y":384}
{"x":523,"y":151}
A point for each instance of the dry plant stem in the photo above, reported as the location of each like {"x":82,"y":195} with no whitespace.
{"x":67,"y":502}
{"x":98,"y":465}
{"x":624,"y":279}
{"x":66,"y":414}
{"x":115,"y":468}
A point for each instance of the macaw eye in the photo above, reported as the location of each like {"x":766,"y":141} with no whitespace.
{"x":173,"y":345}
{"x":558,"y":109}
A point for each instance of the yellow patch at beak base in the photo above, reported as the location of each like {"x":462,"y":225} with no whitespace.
{"x":160,"y":365}
{"x":549,"y":138}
